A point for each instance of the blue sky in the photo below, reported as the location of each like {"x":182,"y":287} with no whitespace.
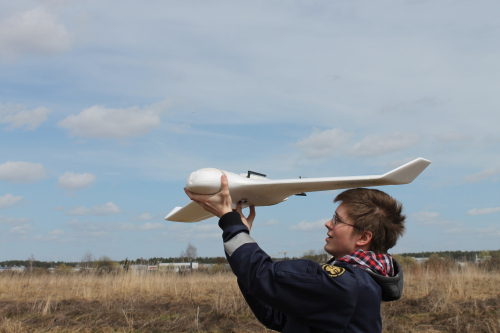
{"x":107,"y":107}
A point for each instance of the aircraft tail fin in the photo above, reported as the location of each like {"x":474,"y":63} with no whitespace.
{"x":406,"y":173}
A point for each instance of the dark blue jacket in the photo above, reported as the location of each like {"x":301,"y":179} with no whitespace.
{"x":301,"y":295}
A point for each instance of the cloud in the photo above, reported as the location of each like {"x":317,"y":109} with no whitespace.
{"x":75,"y":181}
{"x":323,"y":143}
{"x":13,"y":220}
{"x":9,"y":200}
{"x":429,"y":218}
{"x":384,"y":144}
{"x":483,"y":211}
{"x":22,"y":229}
{"x":451,"y":137}
{"x":309,"y":226}
{"x":151,"y":226}
{"x":415,"y":105}
{"x":106,"y":123}
{"x":18,"y":116}
{"x":50,"y":236}
{"x":193,"y":231}
{"x":144,"y":217}
{"x":271,"y":222}
{"x":482,"y":175}
{"x":491,"y":232}
{"x":32,"y":32}
{"x":22,"y":172}
{"x":107,"y":209}
{"x":92,"y":231}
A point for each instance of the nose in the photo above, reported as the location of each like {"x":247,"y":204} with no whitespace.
{"x":329,"y":224}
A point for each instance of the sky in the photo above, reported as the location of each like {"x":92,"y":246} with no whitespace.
{"x":107,"y":107}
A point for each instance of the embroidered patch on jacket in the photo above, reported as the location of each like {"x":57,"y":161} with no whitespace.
{"x":333,"y":271}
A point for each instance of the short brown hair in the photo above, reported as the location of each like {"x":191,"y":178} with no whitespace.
{"x":376,"y":211}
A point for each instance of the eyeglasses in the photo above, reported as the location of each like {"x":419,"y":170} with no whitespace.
{"x":336,"y":221}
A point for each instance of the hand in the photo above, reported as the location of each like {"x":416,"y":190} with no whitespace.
{"x":218,"y":204}
{"x":248,"y":221}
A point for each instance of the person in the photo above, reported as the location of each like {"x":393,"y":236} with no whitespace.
{"x":343,"y":295}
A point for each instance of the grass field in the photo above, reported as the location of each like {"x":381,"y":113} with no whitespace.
{"x":465,"y":300}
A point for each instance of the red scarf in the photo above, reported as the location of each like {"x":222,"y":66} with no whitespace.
{"x":377,"y":263}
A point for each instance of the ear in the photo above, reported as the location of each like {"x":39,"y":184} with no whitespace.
{"x":364,"y":239}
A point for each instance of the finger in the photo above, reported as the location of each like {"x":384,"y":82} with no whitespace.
{"x":239,"y":209}
{"x":195,"y":197}
{"x":188,"y":193}
{"x":251,"y":216}
{"x":252,"y":212}
{"x":224,"y":184}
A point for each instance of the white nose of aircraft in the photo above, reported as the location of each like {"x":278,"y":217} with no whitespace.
{"x":204,"y":181}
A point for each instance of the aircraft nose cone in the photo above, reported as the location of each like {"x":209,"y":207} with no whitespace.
{"x":204,"y":181}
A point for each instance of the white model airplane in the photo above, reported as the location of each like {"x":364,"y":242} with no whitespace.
{"x":254,"y":189}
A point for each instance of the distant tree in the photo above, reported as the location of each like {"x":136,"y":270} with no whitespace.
{"x":106,"y":264}
{"x":62,"y":268}
{"x":405,"y":262}
{"x":31,"y":259}
{"x":87,"y":259}
{"x":319,"y":256}
{"x":191,"y":252}
{"x":220,"y":260}
{"x":484,"y":255}
{"x":438,"y":263}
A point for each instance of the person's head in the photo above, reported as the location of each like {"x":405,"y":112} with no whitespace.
{"x":366,"y":219}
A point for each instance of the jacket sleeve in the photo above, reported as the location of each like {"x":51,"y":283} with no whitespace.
{"x":297,"y":288}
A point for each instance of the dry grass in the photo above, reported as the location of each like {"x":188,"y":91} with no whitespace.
{"x":444,"y":300}
{"x":434,"y":301}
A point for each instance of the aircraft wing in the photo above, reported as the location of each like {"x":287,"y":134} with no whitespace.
{"x":403,"y":175}
{"x":192,"y":212}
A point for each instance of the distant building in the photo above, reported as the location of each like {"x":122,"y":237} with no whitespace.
{"x":178,"y":266}
{"x":139,"y":269}
{"x":17,"y":269}
{"x":420,"y":260}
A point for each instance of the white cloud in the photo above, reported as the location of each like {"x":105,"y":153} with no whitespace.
{"x":384,"y":144}
{"x":309,"y":226}
{"x":32,"y":32}
{"x":151,"y":226}
{"x":451,"y":137}
{"x":416,"y":105}
{"x":482,"y":175}
{"x":323,"y":143}
{"x":108,"y":209}
{"x":18,"y":116}
{"x":483,"y":211}
{"x":486,"y":233}
{"x":429,"y":218}
{"x":189,"y":231}
{"x":13,"y":220}
{"x":50,"y":236}
{"x":106,"y":123}
{"x":271,"y":222}
{"x":144,"y":217}
{"x":22,"y":229}
{"x":22,"y":172}
{"x":9,"y":200}
{"x":75,"y":181}
{"x":56,"y":232}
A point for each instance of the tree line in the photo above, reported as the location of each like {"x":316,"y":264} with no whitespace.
{"x":190,"y":255}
